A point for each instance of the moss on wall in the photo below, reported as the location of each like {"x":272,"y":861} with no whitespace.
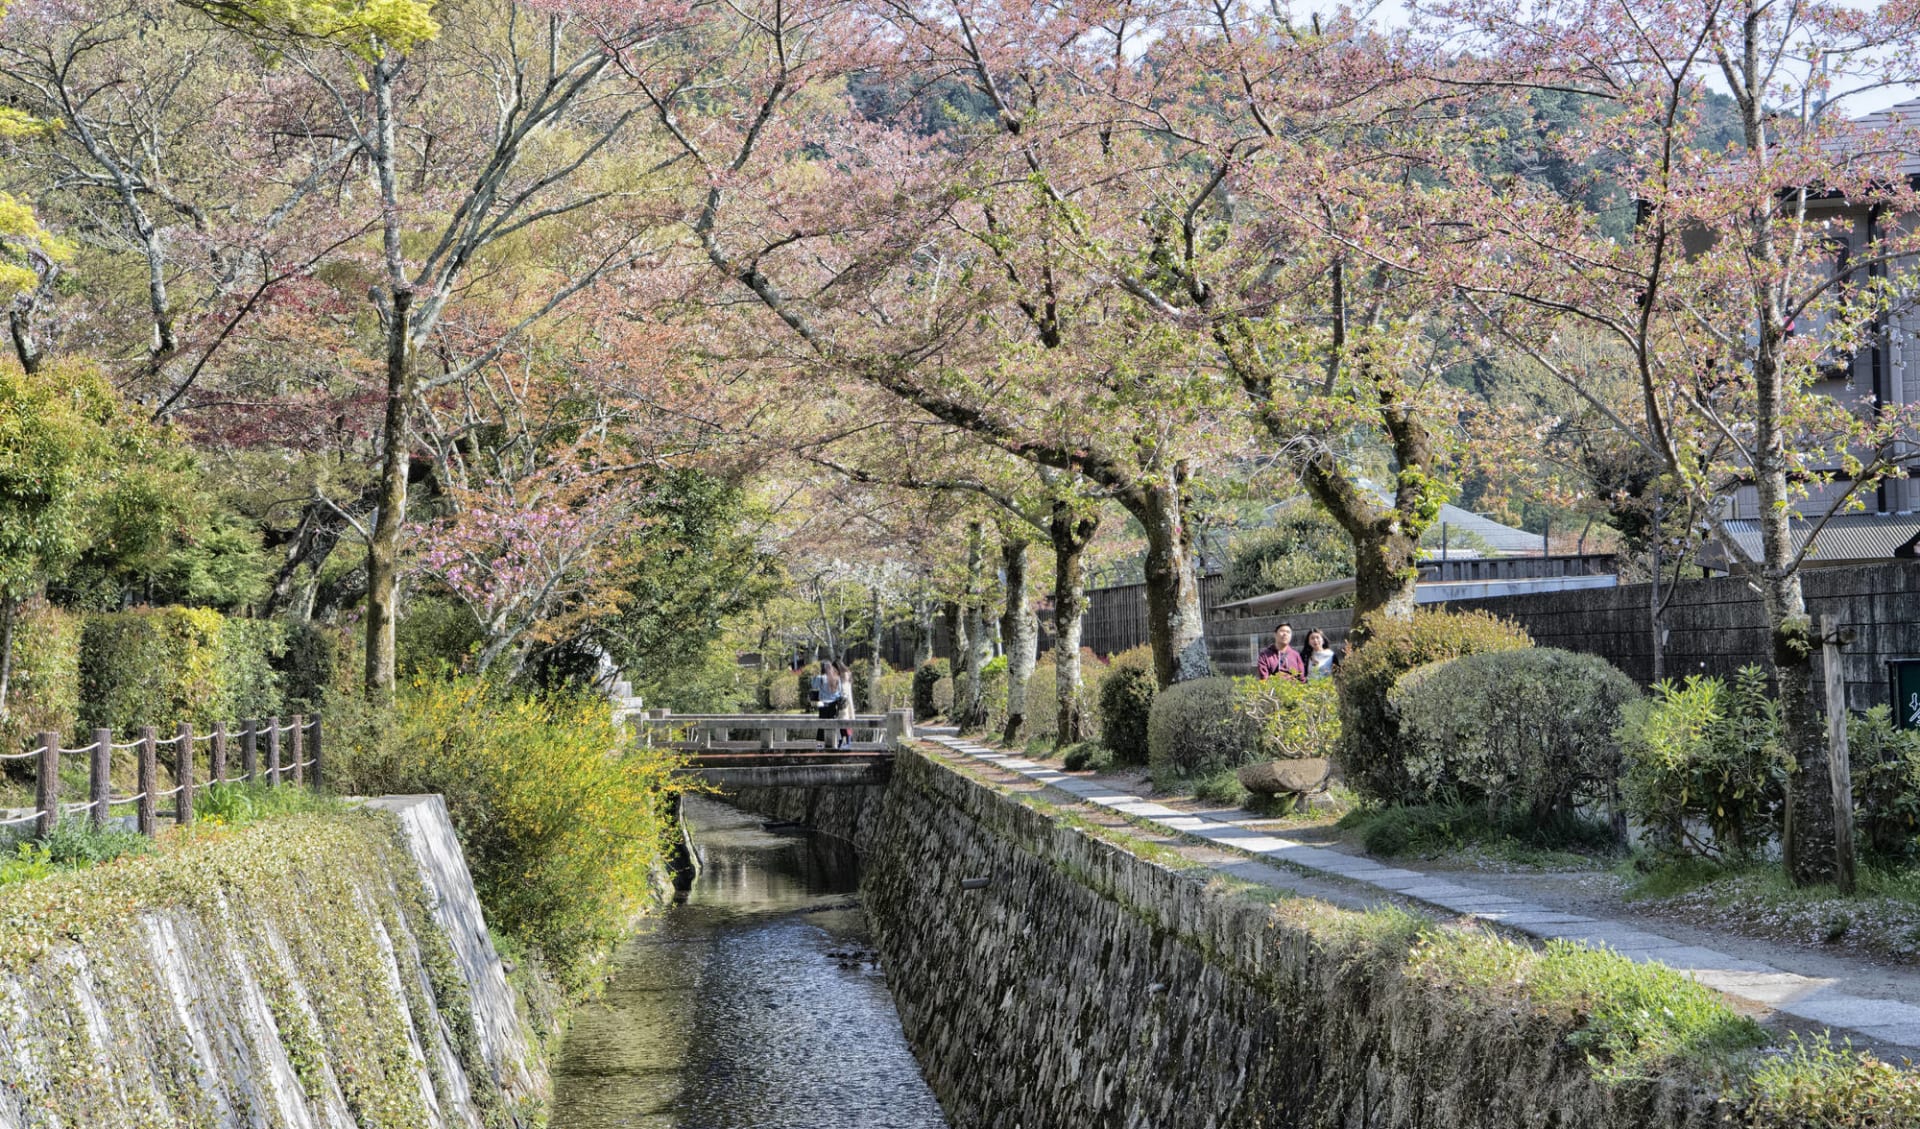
{"x":1087,"y":986}
{"x":288,"y":973}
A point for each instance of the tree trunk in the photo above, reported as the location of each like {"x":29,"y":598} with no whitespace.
{"x":383,"y":548}
{"x":969,"y":697}
{"x":876,"y":666}
{"x":1021,"y":630}
{"x":1070,"y":534}
{"x":922,"y":631}
{"x":1807,"y":844}
{"x":1174,"y":618}
{"x":1386,"y":539}
{"x":9,"y":611}
{"x":956,"y":636}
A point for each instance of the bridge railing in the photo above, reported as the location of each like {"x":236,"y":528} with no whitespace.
{"x":773,"y":734}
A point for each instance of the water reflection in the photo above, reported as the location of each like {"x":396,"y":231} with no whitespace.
{"x":752,"y":1002}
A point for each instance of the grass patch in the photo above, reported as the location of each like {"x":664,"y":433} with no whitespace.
{"x":1632,"y":1020}
{"x":238,"y":803}
{"x":1431,"y":830}
{"x":1818,"y":1084}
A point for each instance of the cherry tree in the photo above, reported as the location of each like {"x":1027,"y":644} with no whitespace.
{"x":1772,"y":241}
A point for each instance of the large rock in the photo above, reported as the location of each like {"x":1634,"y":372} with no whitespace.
{"x":1270,"y":778}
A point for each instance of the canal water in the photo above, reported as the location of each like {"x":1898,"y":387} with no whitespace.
{"x":753,"y":1001}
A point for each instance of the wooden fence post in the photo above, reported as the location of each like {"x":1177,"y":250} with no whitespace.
{"x":183,"y":776}
{"x":1839,"y":758}
{"x":299,"y":748}
{"x":217,"y":759}
{"x":49,"y":784}
{"x":273,"y":751}
{"x":100,"y":776}
{"x":250,"y":750}
{"x":314,"y":780}
{"x":149,"y":781}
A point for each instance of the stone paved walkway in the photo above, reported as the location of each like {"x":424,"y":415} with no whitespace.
{"x":1893,"y":1024}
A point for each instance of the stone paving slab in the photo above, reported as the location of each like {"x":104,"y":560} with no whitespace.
{"x":1817,"y":1000}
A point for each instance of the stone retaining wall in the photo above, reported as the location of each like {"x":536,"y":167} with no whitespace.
{"x":842,"y":801}
{"x":1084,"y":987}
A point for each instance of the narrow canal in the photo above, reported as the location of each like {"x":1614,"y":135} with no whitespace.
{"x":753,"y":1001}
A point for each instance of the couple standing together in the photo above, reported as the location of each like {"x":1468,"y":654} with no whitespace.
{"x":1280,"y":660}
{"x":834,"y":688}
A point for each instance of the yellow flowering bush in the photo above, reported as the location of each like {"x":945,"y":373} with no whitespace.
{"x":566,"y":825}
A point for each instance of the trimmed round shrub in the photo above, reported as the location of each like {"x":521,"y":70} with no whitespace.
{"x":1199,"y":728}
{"x":927,"y":683}
{"x":1371,"y":751}
{"x":1043,"y":700}
{"x":1126,"y":704}
{"x":1529,"y":732}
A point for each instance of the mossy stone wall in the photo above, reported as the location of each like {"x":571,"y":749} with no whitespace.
{"x":1087,"y":987}
{"x":291,"y":973}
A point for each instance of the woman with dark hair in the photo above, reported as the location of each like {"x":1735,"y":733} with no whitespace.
{"x":1319,"y":657}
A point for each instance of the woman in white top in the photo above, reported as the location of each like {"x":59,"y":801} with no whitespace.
{"x":1320,"y":657}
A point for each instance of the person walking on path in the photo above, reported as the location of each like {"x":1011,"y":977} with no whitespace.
{"x":1280,"y":660}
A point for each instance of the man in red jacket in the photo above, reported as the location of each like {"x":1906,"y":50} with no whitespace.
{"x":1280,"y":658}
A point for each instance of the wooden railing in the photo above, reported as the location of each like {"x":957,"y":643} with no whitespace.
{"x":774,"y":734}
{"x":296,"y":760}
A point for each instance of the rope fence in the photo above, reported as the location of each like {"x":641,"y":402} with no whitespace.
{"x":301,"y":766}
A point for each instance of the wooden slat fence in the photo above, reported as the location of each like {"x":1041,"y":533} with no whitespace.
{"x":293,"y":756}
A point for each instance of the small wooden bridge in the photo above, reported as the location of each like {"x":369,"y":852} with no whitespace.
{"x":733,"y":740}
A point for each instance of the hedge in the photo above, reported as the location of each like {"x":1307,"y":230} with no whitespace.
{"x":927,"y":684}
{"x":1527,"y":732}
{"x":1126,"y":704}
{"x":1372,"y":752}
{"x":163,"y":666}
{"x":44,"y":694}
{"x":1198,"y":728}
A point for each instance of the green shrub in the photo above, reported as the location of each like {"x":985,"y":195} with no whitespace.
{"x":1087,"y":756}
{"x":926,"y":686}
{"x":1815,"y":1085}
{"x":435,"y":634}
{"x":1197,"y":729}
{"x":896,"y":690}
{"x":1886,"y":783}
{"x":777,"y":690}
{"x":1297,"y":719}
{"x":1427,"y":830}
{"x":1705,"y":752}
{"x":45,"y":691}
{"x":311,"y":664}
{"x":1126,"y":704}
{"x":76,"y":843}
{"x":1302,"y":546}
{"x":251,"y":684}
{"x":1371,"y":750}
{"x":1043,"y":700}
{"x":152,"y":666}
{"x":1528,"y":731}
{"x":563,"y":828}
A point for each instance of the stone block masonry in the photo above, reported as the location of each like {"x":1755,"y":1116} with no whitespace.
{"x":1083,"y":987}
